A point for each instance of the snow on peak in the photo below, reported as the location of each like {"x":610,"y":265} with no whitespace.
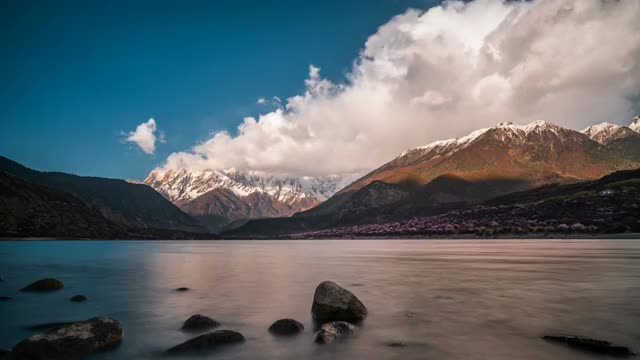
{"x":505,"y":129}
{"x":635,"y":124}
{"x":605,"y":133}
{"x":182,"y":185}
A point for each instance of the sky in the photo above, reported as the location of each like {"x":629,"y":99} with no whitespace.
{"x":308,"y":88}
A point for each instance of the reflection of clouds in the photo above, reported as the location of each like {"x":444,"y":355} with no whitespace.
{"x":468,"y":298}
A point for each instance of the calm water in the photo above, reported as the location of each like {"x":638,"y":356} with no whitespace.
{"x":458,"y":299}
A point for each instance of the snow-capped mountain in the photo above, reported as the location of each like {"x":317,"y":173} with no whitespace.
{"x":485,"y":164}
{"x":218,"y":197}
{"x":606,"y":132}
{"x":539,"y":152}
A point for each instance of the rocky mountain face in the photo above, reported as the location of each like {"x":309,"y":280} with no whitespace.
{"x":219,"y":198}
{"x":484,"y":164}
{"x":129,"y":206}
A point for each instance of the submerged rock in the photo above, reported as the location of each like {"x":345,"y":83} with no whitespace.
{"x":207,"y":342}
{"x":4,"y":353}
{"x":331,"y":302}
{"x":333,"y":330}
{"x":182,"y":289}
{"x":591,"y":345}
{"x":79,"y":298}
{"x":70,"y":341}
{"x":5,"y":298}
{"x":199,"y":322}
{"x":286,"y":327}
{"x":48,"y":284}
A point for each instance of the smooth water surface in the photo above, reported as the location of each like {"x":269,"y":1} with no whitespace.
{"x":445,"y":299}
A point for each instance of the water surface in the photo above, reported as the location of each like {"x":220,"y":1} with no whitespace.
{"x":445,"y":299}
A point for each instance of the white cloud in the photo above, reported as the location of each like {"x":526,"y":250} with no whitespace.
{"x":440,"y":73}
{"x":261,"y":101}
{"x":145,"y":136}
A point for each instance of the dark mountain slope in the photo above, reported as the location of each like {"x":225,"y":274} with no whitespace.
{"x":130,"y":205}
{"x":34,"y":210}
{"x":608,"y":205}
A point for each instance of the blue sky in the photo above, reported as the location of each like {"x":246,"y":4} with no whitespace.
{"x":75,"y":74}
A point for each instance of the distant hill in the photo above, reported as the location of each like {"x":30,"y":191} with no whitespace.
{"x":604,"y":206}
{"x":452,"y":173}
{"x":128,"y":205}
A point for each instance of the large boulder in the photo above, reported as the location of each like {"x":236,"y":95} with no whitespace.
{"x":331,"y":302}
{"x":207,"y":342}
{"x":70,"y":341}
{"x":286,"y":327}
{"x":591,"y":345}
{"x":199,"y":322}
{"x":47,"y":284}
{"x":333,"y":330}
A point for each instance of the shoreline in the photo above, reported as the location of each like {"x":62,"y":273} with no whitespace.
{"x":622,"y":236}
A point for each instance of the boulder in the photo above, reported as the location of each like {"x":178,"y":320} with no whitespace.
{"x":591,"y":345}
{"x":286,"y":327}
{"x":47,"y":284}
{"x":4,"y":353}
{"x":207,"y":342}
{"x":70,"y":341}
{"x":199,"y":322}
{"x":331,"y":302}
{"x":333,"y":330}
{"x":79,"y":298}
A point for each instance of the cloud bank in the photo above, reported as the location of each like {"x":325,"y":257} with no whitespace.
{"x":440,"y":73}
{"x":145,"y":136}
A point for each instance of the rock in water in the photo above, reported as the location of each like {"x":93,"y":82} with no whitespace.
{"x":182,"y":289}
{"x":5,"y":298}
{"x":591,"y":345}
{"x":78,"y":298}
{"x":331,"y":302}
{"x":4,"y":353}
{"x":70,"y":341}
{"x":333,"y":330}
{"x":199,"y":322}
{"x":207,"y":342}
{"x":48,"y":284}
{"x":286,"y":327}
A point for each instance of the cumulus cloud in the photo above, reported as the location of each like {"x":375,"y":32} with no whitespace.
{"x":440,"y":73}
{"x":261,"y":101}
{"x":145,"y":136}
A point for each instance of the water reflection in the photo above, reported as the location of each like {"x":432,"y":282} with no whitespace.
{"x":457,"y":299}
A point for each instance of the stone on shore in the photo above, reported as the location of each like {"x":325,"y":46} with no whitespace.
{"x":47,"y":284}
{"x":329,"y":332}
{"x":79,"y":298}
{"x":199,"y":322}
{"x":70,"y":341}
{"x":286,"y":327}
{"x":331,"y":302}
{"x":207,"y":342}
{"x":591,"y":345}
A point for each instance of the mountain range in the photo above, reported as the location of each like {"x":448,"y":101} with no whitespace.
{"x":441,"y":177}
{"x":219,"y":198}
{"x":449,"y":174}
